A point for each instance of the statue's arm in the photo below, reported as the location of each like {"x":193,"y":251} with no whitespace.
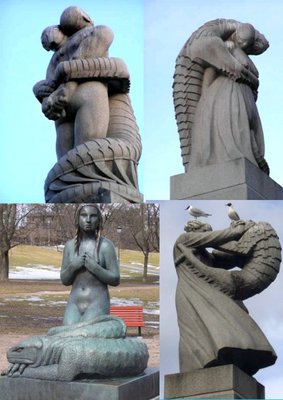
{"x":211,"y":51}
{"x":89,"y":68}
{"x":219,"y":276}
{"x":46,"y":86}
{"x":107,"y":271}
{"x":237,"y":248}
{"x":213,"y":238}
{"x":43,"y":89}
{"x":70,"y":265}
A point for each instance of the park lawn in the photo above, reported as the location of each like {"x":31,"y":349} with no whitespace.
{"x":25,"y":255}
{"x":32,"y":307}
{"x":133,"y":256}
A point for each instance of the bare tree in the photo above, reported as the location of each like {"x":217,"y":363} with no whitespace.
{"x":146,"y":234}
{"x":12,"y":216}
{"x":139,"y":228}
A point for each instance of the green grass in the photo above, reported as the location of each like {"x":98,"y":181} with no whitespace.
{"x":25,"y":255}
{"x":128,"y":256}
{"x":20,"y":314}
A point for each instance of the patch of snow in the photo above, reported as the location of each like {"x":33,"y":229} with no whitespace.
{"x":151,"y":312}
{"x":126,"y":302}
{"x":37,"y":272}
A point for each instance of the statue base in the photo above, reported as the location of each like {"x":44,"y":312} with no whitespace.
{"x":223,"y":382}
{"x":237,"y":179}
{"x":143,"y":387}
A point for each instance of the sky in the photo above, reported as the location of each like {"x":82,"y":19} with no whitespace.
{"x":27,"y":150}
{"x":266,"y":307}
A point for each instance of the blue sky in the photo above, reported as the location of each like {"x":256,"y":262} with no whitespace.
{"x":266,"y":307}
{"x":27,"y":151}
{"x":168,"y":24}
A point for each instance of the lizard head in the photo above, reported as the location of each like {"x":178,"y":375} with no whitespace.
{"x":26,"y":352}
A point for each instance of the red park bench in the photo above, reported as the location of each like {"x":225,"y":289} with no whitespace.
{"x":132,"y":315}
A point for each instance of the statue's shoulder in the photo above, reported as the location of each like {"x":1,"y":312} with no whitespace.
{"x":103,"y":31}
{"x":182,"y":237}
{"x":105,"y":244}
{"x":70,"y":245}
{"x":103,"y":34}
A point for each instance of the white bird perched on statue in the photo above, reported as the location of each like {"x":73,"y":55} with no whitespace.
{"x":232,"y":214}
{"x":196,"y":212}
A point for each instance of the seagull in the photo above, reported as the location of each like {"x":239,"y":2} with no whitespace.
{"x":196,"y":212}
{"x":232,"y":214}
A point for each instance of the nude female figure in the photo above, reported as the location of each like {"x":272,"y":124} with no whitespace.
{"x":89,"y":265}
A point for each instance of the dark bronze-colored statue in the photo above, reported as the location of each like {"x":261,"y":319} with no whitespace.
{"x":215,"y":327}
{"x":215,"y":92}
{"x":86,"y":93}
{"x":91,"y":342}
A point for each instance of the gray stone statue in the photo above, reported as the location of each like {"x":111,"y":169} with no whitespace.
{"x":86,"y":93}
{"x":89,"y":265}
{"x":215,"y":327}
{"x":91,"y":342}
{"x":215,"y":92}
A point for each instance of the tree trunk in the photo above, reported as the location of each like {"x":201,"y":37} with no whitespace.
{"x":4,"y":265}
{"x":145,"y":265}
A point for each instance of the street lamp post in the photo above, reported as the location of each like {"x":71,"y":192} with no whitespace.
{"x":48,"y":231}
{"x":119,"y":230}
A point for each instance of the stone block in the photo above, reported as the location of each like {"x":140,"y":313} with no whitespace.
{"x":223,"y":382}
{"x":143,"y":387}
{"x":237,"y":179}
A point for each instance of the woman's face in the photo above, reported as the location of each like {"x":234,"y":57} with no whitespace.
{"x":88,"y":219}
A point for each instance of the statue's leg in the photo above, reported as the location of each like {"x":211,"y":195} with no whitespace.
{"x":72,"y":314}
{"x":99,"y":307}
{"x":65,"y":137}
{"x":48,"y":372}
{"x":92,"y":111}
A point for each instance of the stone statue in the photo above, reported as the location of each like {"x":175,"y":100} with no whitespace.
{"x":86,"y":93}
{"x":215,"y":92}
{"x":91,"y":342}
{"x":215,"y":327}
{"x":89,"y":265}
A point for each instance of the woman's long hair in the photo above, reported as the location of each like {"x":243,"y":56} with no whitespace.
{"x":97,"y":232}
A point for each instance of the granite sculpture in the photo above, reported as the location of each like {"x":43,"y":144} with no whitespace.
{"x":215,"y":91}
{"x":91,"y":343}
{"x":85,"y":92}
{"x":215,"y":327}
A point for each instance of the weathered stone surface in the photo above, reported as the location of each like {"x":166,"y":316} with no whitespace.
{"x":143,"y":387}
{"x":91,"y":342}
{"x":85,"y":92}
{"x":215,"y":92}
{"x":219,"y":382}
{"x":238,"y":179}
{"x":215,"y":326}
{"x":94,"y":192}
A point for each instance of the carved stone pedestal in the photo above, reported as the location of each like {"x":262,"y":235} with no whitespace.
{"x":224,"y":382}
{"x":237,"y":179}
{"x":143,"y":387}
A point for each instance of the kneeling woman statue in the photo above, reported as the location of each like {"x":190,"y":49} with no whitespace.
{"x":91,"y":342}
